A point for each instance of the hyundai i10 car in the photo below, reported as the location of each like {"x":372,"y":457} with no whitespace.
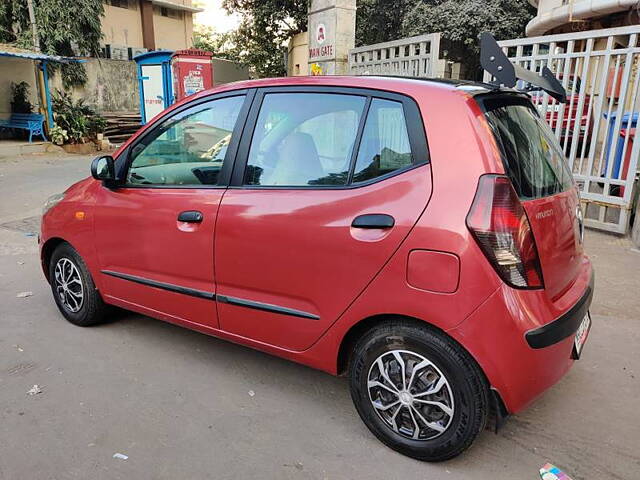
{"x":424,"y":238}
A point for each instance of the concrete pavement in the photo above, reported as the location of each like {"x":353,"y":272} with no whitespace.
{"x":178,"y":403}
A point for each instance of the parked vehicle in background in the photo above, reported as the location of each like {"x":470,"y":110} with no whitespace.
{"x":568,"y":115}
{"x":422,"y":237}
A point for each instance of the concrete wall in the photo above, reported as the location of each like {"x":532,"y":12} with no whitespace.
{"x":556,"y":16}
{"x":112,"y":85}
{"x":298,"y":55}
{"x":16,"y":70}
{"x":332,"y":30}
{"x":225,"y":71}
{"x":173,"y":33}
{"x":122,"y":26}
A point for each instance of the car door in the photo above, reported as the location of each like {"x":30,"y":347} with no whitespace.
{"x":154,"y":233}
{"x":327,"y":183}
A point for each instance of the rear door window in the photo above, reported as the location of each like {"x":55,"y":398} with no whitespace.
{"x":384,"y":147}
{"x":324,"y":139}
{"x":304,"y":139}
{"x":532,"y":157}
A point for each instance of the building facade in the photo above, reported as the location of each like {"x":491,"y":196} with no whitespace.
{"x":563,"y":16}
{"x":131,"y":27}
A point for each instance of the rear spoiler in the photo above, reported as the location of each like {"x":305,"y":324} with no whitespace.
{"x":494,"y":61}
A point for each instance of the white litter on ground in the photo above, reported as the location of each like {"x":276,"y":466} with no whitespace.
{"x":24,"y":294}
{"x":35,"y":390}
{"x":121,"y":456}
{"x":252,"y":393}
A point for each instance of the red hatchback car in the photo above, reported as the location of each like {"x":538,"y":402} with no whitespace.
{"x":422,"y":237}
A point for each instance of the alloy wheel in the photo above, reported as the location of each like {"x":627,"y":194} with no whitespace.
{"x":68,"y":283}
{"x":410,"y":395}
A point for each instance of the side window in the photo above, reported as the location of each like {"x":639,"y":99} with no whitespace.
{"x":304,"y":139}
{"x":384,"y":147}
{"x":187,"y":149}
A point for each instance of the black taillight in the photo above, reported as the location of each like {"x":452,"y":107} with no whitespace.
{"x":500,"y":225}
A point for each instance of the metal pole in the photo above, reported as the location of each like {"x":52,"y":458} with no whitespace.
{"x":47,"y":94}
{"x":34,"y":27}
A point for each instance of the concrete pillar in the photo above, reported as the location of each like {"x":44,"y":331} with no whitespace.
{"x":146,"y":17}
{"x":332,"y":33}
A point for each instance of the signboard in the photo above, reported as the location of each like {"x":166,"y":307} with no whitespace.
{"x":193,"y":81}
{"x":332,"y":29}
{"x":322,"y":37}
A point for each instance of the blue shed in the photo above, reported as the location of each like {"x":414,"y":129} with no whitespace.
{"x":155,"y":82}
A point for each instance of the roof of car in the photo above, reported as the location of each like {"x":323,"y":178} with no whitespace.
{"x":380,"y":82}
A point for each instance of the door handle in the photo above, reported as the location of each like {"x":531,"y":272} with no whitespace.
{"x":190,"y":216}
{"x":375,"y":220}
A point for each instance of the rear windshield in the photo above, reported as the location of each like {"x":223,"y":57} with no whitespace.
{"x":531,"y":155}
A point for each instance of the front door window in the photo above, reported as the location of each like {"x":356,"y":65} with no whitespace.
{"x":187,"y":149}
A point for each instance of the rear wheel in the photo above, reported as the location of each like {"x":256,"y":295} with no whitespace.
{"x":418,"y":391}
{"x":73,"y":289}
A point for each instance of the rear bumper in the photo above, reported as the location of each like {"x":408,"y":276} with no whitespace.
{"x":499,"y":332}
{"x":564,"y":326}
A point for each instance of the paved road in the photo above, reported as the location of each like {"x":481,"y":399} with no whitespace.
{"x":177,"y":403}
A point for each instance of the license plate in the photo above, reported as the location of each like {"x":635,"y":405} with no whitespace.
{"x":581,"y":336}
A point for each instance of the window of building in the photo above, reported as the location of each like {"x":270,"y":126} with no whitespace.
{"x":171,"y":13}
{"x":119,"y":3}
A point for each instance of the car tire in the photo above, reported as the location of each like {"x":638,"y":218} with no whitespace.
{"x":73,"y":288}
{"x":432,"y":363}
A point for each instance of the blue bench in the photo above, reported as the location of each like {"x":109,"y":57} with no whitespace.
{"x":26,"y":121}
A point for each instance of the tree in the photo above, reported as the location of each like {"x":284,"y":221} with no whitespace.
{"x":64,"y":28}
{"x":462,"y":21}
{"x":380,"y":20}
{"x":266,"y":26}
{"x":220,"y":44}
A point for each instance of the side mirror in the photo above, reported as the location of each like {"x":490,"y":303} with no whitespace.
{"x":103,"y":168}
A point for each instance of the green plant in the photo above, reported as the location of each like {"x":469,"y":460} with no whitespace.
{"x":462,"y":21}
{"x":20,"y":98}
{"x":80,"y":121}
{"x":58,"y":135}
{"x":97,"y":124}
{"x":265,"y":27}
{"x":64,"y":28}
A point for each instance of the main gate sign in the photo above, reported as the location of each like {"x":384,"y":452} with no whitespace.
{"x":332,"y":27}
{"x":600,"y":70}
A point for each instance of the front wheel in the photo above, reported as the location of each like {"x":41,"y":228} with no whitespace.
{"x":418,"y":391}
{"x":73,"y":289}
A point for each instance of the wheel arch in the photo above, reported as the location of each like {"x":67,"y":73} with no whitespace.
{"x":360,"y":328}
{"x":47,"y":251}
